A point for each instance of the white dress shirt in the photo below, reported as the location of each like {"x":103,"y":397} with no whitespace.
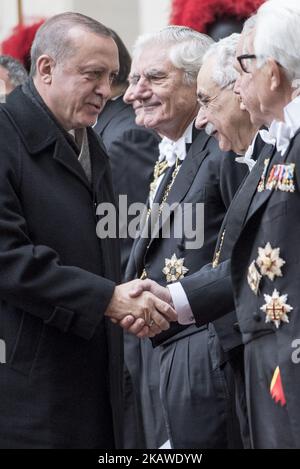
{"x":170,"y":150}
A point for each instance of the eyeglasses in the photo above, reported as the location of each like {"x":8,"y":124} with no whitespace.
{"x":245,"y":61}
{"x":208,"y":102}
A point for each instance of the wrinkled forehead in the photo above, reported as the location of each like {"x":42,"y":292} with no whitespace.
{"x":151,"y":58}
{"x":206,"y":86}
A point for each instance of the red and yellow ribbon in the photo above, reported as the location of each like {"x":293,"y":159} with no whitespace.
{"x":276,"y":389}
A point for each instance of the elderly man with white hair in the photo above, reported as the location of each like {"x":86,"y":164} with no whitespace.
{"x":187,"y":366}
{"x":244,"y":85}
{"x":265,"y":261}
{"x":219,"y":106}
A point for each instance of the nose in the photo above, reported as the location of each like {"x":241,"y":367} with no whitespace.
{"x":103,"y":87}
{"x":142,"y":90}
{"x":201,"y":119}
{"x":129,"y":97}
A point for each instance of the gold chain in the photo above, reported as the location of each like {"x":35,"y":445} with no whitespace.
{"x":218,"y":253}
{"x":159,"y":168}
{"x":165,"y":196}
{"x":170,"y":185}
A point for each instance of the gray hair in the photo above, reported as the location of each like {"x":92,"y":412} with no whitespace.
{"x":224,"y":73}
{"x":249,"y":24}
{"x":52,"y":37}
{"x":17,"y":74}
{"x":278,"y":35}
{"x":186,"y":48}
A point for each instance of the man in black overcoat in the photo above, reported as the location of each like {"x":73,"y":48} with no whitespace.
{"x":61,"y":384}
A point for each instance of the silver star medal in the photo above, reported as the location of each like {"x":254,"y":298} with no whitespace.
{"x":269,"y":264}
{"x":174,"y":269}
{"x":269,"y":261}
{"x":276,"y":308}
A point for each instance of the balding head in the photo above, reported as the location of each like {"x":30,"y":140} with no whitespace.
{"x":57,"y":36}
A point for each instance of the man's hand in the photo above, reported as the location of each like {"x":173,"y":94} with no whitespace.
{"x":138,"y":327}
{"x":149,"y":285}
{"x":141,"y":312}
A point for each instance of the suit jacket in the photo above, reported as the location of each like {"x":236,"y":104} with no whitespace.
{"x":209,"y":290}
{"x":207,"y":176}
{"x":132,"y":151}
{"x":273,"y":217}
{"x":62,"y":379}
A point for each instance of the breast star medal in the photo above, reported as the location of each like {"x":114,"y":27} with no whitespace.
{"x":276,"y":308}
{"x":253,"y":277}
{"x":269,"y":261}
{"x":174,"y":269}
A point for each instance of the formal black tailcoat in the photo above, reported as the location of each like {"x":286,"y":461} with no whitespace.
{"x":272,"y":217}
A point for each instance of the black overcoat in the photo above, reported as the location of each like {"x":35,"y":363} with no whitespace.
{"x":61,"y":384}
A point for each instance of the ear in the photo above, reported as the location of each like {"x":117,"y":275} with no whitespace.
{"x":45,"y":66}
{"x":274,"y":73}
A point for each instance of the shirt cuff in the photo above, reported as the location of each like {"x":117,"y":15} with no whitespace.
{"x":181,"y":304}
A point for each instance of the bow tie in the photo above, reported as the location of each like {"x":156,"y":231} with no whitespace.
{"x":170,"y":151}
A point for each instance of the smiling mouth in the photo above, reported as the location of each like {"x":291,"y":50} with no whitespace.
{"x":150,"y":106}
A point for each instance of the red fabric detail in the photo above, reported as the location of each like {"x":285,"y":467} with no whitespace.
{"x":18,"y":45}
{"x":276,"y":389}
{"x":199,"y":14}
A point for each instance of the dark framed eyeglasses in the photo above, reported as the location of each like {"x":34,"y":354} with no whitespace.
{"x":245,"y":61}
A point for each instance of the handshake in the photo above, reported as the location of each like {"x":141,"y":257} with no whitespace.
{"x":141,"y":307}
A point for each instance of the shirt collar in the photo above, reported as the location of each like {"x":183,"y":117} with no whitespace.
{"x":280,"y":133}
{"x":171,"y":150}
{"x":247,"y":158}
